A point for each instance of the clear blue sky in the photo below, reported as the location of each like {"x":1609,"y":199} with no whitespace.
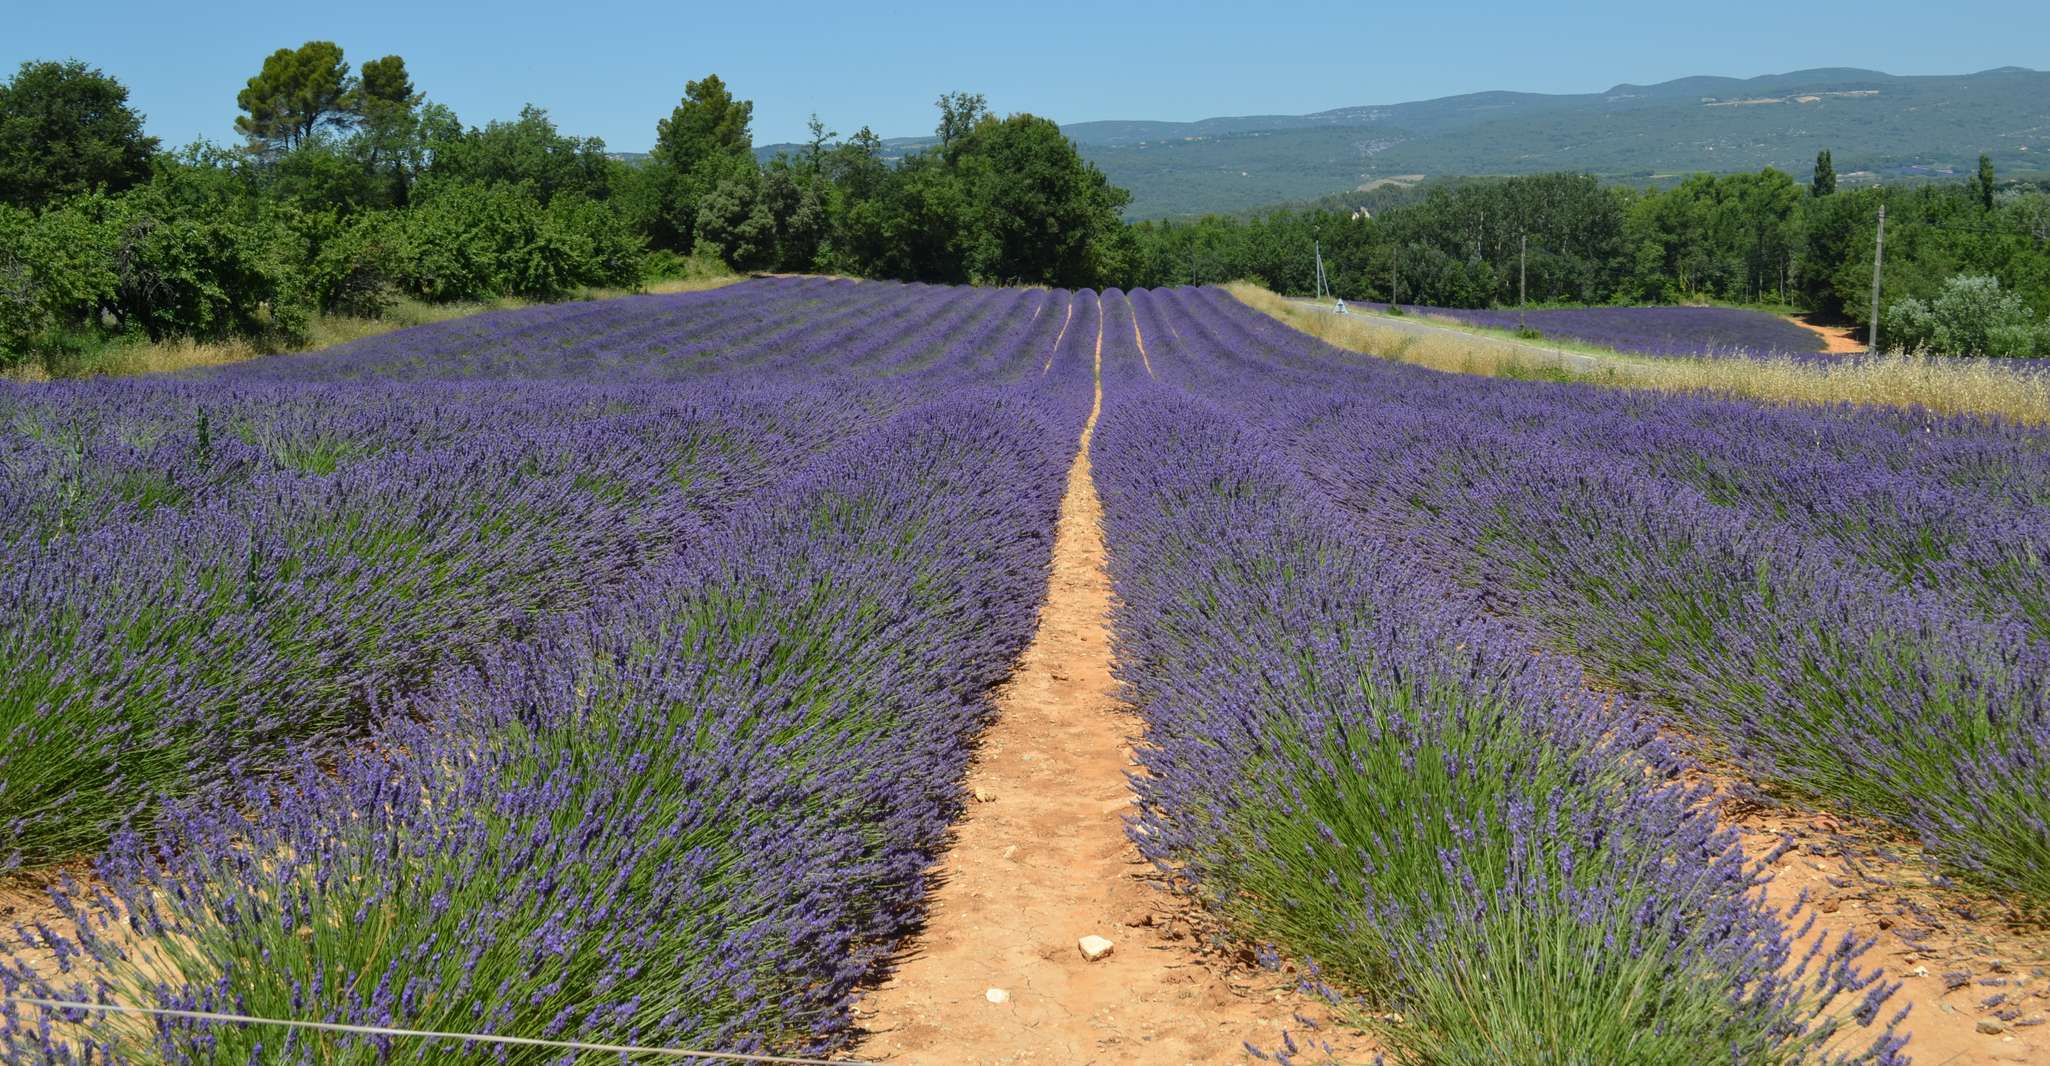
{"x":611,"y":69}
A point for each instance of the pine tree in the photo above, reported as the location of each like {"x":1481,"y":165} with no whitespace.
{"x":1824,"y":181}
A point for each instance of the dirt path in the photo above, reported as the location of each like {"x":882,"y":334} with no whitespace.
{"x":1837,"y":340}
{"x":1978,"y":978}
{"x":1041,"y":860}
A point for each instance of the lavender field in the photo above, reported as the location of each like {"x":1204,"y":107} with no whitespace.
{"x":1715,"y":332}
{"x":610,"y":672}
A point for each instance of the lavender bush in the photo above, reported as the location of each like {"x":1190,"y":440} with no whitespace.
{"x":1350,"y":760}
{"x":1849,"y":603}
{"x":609,"y":671}
{"x":693,"y":814}
{"x":198,"y":572}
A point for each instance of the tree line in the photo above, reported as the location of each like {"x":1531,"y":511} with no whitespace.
{"x":352,"y":190}
{"x":1758,"y":238}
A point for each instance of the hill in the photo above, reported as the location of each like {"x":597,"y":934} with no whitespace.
{"x":1876,"y":125}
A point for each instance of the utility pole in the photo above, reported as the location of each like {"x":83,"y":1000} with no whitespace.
{"x":1317,"y":249}
{"x":1522,"y":278}
{"x":1878,"y":260}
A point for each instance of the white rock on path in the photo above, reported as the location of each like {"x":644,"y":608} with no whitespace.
{"x":1094,"y":947}
{"x":997,"y":995}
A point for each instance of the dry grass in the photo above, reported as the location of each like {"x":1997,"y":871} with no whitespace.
{"x":1985,"y":388}
{"x":326,"y":331}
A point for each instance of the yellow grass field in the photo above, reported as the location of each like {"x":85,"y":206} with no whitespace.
{"x":1986,"y":388}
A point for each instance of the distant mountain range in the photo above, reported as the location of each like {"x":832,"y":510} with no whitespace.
{"x":1875,"y":125}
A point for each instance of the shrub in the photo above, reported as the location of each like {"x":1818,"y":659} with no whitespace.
{"x":1972,"y":315}
{"x":23,"y":317}
{"x":609,"y":247}
{"x":480,"y":242}
{"x":191,"y":270}
{"x":351,"y":265}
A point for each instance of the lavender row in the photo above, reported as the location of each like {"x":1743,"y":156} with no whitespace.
{"x":202,"y":571}
{"x":1353,"y":764}
{"x":697,"y":819}
{"x":1715,"y":332}
{"x":694,"y":817}
{"x":159,"y":651}
{"x":1954,"y":507}
{"x":1873,"y":638}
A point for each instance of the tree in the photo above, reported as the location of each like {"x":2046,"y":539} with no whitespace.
{"x":298,"y":91}
{"x":796,"y":202}
{"x":384,"y":91}
{"x":527,"y":150}
{"x":709,"y":128}
{"x":1824,"y":181}
{"x":959,"y":114}
{"x":390,"y":138}
{"x":856,"y":165}
{"x":736,"y":224}
{"x":65,"y":129}
{"x":1983,"y":183}
{"x":1036,"y":210}
{"x":703,"y":142}
{"x":815,"y":145}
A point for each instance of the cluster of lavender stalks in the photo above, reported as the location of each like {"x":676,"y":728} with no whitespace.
{"x":608,"y":672}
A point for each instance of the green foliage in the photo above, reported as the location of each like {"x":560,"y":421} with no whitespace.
{"x":526,"y":151}
{"x":65,"y":129}
{"x":162,"y":261}
{"x":181,"y":272}
{"x":298,"y":91}
{"x":352,"y":264}
{"x":391,"y":142}
{"x":960,"y":113}
{"x":479,"y":242}
{"x":62,"y":259}
{"x":797,"y":201}
{"x":1823,"y":183}
{"x":24,"y":316}
{"x":323,"y":175}
{"x":1007,"y":201}
{"x":1745,"y":238}
{"x":384,"y":91}
{"x":708,"y":128}
{"x":705,"y":141}
{"x":1972,"y":315}
{"x":1982,"y":182}
{"x":1037,"y":211}
{"x":1457,"y":246}
{"x":1731,"y":236}
{"x":734,"y":223}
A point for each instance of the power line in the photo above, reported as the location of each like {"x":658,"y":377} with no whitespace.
{"x":423,"y":1034}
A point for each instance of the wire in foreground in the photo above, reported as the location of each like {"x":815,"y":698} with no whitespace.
{"x":424,"y":1034}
